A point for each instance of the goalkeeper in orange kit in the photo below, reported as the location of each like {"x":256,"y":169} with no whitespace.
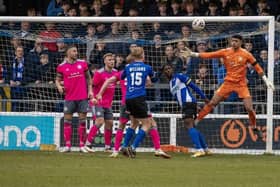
{"x":235,"y":60}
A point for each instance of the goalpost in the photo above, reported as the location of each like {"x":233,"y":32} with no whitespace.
{"x":32,"y":112}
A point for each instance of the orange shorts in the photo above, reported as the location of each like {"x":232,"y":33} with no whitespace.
{"x":227,"y":87}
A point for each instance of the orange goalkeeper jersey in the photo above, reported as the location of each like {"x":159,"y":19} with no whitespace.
{"x":235,"y":63}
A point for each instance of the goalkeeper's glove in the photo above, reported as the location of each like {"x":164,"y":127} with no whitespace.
{"x":268,"y":83}
{"x":188,"y":53}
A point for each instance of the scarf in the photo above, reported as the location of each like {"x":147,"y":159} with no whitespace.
{"x":18,"y":66}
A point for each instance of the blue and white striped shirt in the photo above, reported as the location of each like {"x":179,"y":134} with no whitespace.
{"x":179,"y":87}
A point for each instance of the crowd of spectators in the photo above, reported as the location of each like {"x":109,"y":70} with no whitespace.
{"x":33,"y":50}
{"x":140,"y":7}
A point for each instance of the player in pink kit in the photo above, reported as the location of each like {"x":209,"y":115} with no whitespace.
{"x":124,"y":116}
{"x":77,"y":87}
{"x":102,"y":110}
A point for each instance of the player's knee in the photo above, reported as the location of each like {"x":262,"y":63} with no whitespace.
{"x":99,"y":121}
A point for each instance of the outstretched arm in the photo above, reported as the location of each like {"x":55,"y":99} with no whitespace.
{"x":198,"y":90}
{"x":188,"y":53}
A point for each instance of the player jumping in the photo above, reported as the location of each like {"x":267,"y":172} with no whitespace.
{"x":235,"y":60}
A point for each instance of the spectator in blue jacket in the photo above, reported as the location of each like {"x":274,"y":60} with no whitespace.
{"x":54,"y":8}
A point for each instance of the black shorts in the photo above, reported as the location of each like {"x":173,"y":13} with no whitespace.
{"x":137,"y":107}
{"x":189,"y":110}
{"x":124,"y":112}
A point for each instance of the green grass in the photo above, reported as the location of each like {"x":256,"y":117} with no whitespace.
{"x":76,"y":170}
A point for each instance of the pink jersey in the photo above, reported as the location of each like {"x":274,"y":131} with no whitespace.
{"x":122,"y":85}
{"x":74,"y":78}
{"x":99,"y":78}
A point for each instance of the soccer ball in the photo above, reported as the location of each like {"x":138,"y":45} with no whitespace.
{"x":198,"y":24}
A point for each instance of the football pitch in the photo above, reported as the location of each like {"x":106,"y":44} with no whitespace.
{"x":53,"y":169}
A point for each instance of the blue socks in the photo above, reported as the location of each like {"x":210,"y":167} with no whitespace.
{"x":128,"y":135}
{"x":138,"y":139}
{"x":194,"y":134}
{"x":202,"y":141}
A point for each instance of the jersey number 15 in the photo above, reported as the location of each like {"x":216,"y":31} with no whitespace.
{"x":136,"y":78}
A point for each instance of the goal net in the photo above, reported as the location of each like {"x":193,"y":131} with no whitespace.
{"x":31,"y":49}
